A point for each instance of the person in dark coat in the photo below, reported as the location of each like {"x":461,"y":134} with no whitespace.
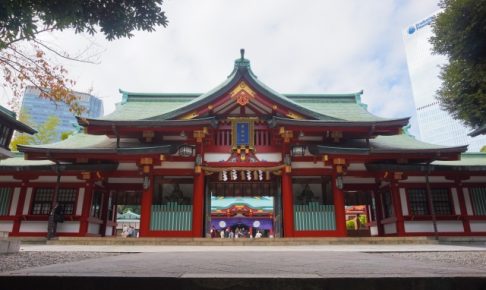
{"x":56,"y":216}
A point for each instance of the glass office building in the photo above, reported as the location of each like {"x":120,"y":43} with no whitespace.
{"x":40,"y":109}
{"x":436,"y":126}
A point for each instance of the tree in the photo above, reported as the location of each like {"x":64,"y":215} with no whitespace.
{"x":460,"y":34}
{"x":24,"y":20}
{"x":46,"y":132}
{"x":22,"y":138}
{"x":66,"y":134}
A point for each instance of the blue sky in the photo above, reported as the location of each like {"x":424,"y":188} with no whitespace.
{"x":294,"y":46}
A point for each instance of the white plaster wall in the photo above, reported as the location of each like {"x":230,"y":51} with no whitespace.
{"x":310,"y":138}
{"x":357,"y":167}
{"x":41,"y":226}
{"x":475,"y":179}
{"x":455,"y":201}
{"x":403,"y":201}
{"x":467,"y":201}
{"x":216,"y":157}
{"x":374,"y":230}
{"x":54,"y":179}
{"x":15,"y":201}
{"x":127,"y":166}
{"x":318,"y":164}
{"x":68,"y":227}
{"x":93,"y":228}
{"x":125,"y":180}
{"x":428,"y":226}
{"x":109,"y":231}
{"x":79,"y":203}
{"x":421,"y":179}
{"x":33,"y":226}
{"x":8,"y":178}
{"x":269,"y":157}
{"x":6,"y":226}
{"x":358,"y":180}
{"x":28,"y":196}
{"x":390,"y":228}
{"x":478,"y":226}
{"x":175,"y":165}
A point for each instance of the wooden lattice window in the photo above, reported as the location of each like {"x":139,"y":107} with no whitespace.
{"x":419,"y":204}
{"x":388,"y":205}
{"x":5,"y":198}
{"x":442,"y":202}
{"x":418,"y":201}
{"x":42,"y":202}
{"x":96,"y":204}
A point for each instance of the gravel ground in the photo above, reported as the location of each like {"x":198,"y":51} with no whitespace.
{"x":21,"y":260}
{"x":467,"y":259}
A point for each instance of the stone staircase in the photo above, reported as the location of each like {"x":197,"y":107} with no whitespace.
{"x":240,"y":242}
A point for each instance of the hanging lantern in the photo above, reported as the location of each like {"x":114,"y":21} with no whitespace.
{"x":186,"y":151}
{"x":297,"y":150}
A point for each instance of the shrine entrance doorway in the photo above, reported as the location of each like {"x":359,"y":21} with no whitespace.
{"x":243,"y":209}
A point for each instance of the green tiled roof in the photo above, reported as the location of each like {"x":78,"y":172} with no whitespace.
{"x":8,"y":118}
{"x":79,"y":141}
{"x":345,"y":107}
{"x":402,"y":142}
{"x":157,"y":106}
{"x":262,"y":203}
{"x":467,"y":159}
{"x":19,"y":160}
{"x":138,"y":106}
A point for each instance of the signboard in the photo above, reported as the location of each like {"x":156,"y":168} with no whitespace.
{"x":242,"y":132}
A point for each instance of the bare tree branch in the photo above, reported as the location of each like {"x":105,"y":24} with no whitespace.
{"x":60,"y":54}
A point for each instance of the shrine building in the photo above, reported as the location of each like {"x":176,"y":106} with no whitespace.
{"x":245,"y":156}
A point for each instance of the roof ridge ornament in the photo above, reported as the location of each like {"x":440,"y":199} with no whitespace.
{"x":242,"y":52}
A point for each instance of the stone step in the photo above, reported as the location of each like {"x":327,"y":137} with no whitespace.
{"x":240,"y":242}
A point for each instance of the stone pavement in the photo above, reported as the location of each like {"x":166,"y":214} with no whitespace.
{"x":296,"y":267}
{"x":219,"y":249}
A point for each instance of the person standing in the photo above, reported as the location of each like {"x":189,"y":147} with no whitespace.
{"x":55,"y":216}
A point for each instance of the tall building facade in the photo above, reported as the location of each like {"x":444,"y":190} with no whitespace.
{"x":436,"y":125}
{"x":39,"y":109}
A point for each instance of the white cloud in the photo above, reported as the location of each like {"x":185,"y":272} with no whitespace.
{"x":294,"y":46}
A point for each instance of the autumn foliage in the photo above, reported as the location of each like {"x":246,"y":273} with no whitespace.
{"x":27,"y":65}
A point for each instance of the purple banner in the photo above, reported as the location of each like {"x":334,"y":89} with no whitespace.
{"x":256,"y":223}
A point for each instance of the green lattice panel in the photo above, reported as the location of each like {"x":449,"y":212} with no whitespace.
{"x":171,"y":217}
{"x":5,"y":196}
{"x":478,"y":199}
{"x":314,"y":217}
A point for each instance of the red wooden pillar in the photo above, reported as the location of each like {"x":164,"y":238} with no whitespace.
{"x":104,"y":212}
{"x":287,"y":205}
{"x":397,"y":206}
{"x":84,"y":220}
{"x":146,"y":208}
{"x":198,"y":206}
{"x":462,"y":204}
{"x":20,"y":208}
{"x":339,"y":208}
{"x":378,"y":211}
